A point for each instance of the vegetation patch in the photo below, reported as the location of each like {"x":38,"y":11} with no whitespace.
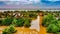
{"x":51,"y":23}
{"x":10,"y":30}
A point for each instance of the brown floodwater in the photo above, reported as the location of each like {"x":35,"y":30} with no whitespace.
{"x":21,"y":30}
{"x":42,"y":29}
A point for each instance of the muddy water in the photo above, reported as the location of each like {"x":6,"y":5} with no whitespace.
{"x":21,"y":30}
{"x":42,"y":29}
{"x":35,"y":24}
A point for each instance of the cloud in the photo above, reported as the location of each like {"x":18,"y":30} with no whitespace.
{"x":9,"y":0}
{"x":36,"y":1}
{"x":17,"y":2}
{"x":52,"y":0}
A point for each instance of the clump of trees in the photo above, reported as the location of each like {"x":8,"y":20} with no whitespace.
{"x":51,"y":23}
{"x":18,"y":22}
{"x":27,"y":22}
{"x":17,"y":18}
{"x":7,"y":21}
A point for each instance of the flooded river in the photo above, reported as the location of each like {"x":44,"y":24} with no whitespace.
{"x":21,"y":30}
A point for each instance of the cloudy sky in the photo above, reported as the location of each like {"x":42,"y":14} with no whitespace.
{"x":37,"y":4}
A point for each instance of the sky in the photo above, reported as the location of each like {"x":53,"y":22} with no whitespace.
{"x":28,"y":4}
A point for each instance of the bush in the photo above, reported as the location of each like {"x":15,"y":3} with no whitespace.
{"x":48,"y":20}
{"x":7,"y":21}
{"x":25,"y":14}
{"x":51,"y":23}
{"x":12,"y":29}
{"x":14,"y":21}
{"x":27,"y":22}
{"x":0,"y":21}
{"x":9,"y":30}
{"x":58,"y":24}
{"x":57,"y":33}
{"x":52,"y":28}
{"x":33,"y":15}
{"x":19,"y":22}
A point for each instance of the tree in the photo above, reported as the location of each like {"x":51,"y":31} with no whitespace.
{"x":27,"y":22}
{"x":10,"y":30}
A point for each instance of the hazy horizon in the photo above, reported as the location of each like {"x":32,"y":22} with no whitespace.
{"x":29,"y":4}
